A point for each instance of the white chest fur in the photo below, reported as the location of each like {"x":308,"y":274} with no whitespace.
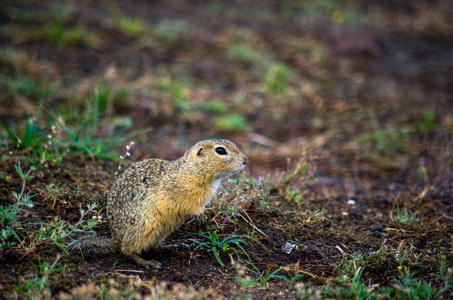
{"x":215,"y":185}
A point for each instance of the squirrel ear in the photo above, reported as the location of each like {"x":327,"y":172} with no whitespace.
{"x":200,"y":152}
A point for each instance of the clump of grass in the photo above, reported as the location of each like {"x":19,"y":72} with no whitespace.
{"x":23,"y":85}
{"x":243,"y":193}
{"x":82,"y":140}
{"x":242,"y":51}
{"x":215,"y":107}
{"x":407,"y":287}
{"x":132,"y":26}
{"x":215,"y":245}
{"x":9,"y":237}
{"x":39,"y":285}
{"x":173,"y":91}
{"x":264,"y":277}
{"x":30,"y":136}
{"x":387,"y":141}
{"x":64,"y":36}
{"x":230,"y":123}
{"x":315,"y":216}
{"x":53,"y":26}
{"x":295,"y":178}
{"x":71,"y":139}
{"x":402,"y":215}
{"x":276,"y":77}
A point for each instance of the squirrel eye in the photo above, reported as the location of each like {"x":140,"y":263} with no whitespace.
{"x":220,"y":151}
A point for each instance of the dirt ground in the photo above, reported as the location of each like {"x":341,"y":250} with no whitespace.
{"x":345,"y":111}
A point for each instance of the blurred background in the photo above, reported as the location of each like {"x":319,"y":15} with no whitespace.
{"x":362,"y":88}
{"x":344,"y":109}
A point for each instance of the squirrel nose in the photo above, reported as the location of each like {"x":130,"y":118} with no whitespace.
{"x":244,"y":162}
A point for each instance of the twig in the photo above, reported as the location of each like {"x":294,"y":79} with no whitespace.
{"x":251,"y":223}
{"x":341,"y":250}
{"x":131,"y":271}
{"x":315,"y":277}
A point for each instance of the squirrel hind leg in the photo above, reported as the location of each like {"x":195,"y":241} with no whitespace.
{"x":145,"y":263}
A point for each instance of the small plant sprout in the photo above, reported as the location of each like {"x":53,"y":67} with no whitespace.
{"x":8,"y":215}
{"x":39,"y":286}
{"x":264,"y":277}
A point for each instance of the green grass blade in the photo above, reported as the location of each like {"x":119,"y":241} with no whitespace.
{"x":12,"y":135}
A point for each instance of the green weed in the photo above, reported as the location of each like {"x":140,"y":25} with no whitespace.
{"x":264,"y":277}
{"x":428,"y":121}
{"x":78,"y":139}
{"x":227,"y":245}
{"x":39,"y":285}
{"x":64,"y":36}
{"x":30,"y":136}
{"x":406,"y":287}
{"x":295,"y":178}
{"x":132,"y":26}
{"x":352,"y":287}
{"x":249,"y":191}
{"x":173,"y":91}
{"x":230,"y":123}
{"x":21,"y":85}
{"x":402,"y":216}
{"x":387,"y":140}
{"x":243,"y":52}
{"x":276,"y":77}
{"x":30,"y":236}
{"x":81,"y":139}
{"x":315,"y":215}
{"x":52,"y":26}
{"x":215,"y":107}
{"x":9,"y":214}
{"x":446,"y":275}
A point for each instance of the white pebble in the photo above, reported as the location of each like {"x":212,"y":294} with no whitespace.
{"x":351,"y":202}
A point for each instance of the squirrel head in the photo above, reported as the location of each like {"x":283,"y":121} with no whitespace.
{"x":219,"y":158}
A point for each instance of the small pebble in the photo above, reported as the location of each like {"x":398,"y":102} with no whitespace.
{"x":351,"y":202}
{"x":377,"y":228}
{"x":288,"y":247}
{"x":379,"y":234}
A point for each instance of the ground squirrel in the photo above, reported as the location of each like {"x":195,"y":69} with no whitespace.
{"x":152,"y":198}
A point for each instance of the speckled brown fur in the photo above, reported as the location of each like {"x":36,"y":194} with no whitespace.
{"x":152,"y":198}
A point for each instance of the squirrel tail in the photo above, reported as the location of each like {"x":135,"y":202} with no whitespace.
{"x":92,"y":245}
